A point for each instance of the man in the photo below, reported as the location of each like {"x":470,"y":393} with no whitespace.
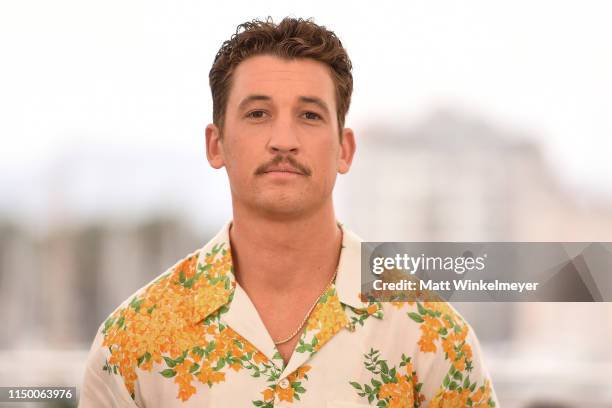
{"x":268,"y":313}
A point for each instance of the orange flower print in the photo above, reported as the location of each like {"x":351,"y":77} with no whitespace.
{"x":155,"y":332}
{"x":372,"y":309}
{"x":439,"y":323}
{"x":288,"y":394}
{"x":285,"y":394}
{"x":464,"y":397}
{"x":390,"y":387}
{"x":268,"y":394}
{"x":328,"y":318}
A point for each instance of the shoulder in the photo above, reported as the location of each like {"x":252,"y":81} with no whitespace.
{"x":162,"y":289}
{"x":448,"y":356}
{"x":122,"y":341}
{"x":172,"y":292}
{"x":439,"y":323}
{"x":176,"y":297}
{"x":159,"y":320}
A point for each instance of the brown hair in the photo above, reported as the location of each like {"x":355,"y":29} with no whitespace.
{"x":291,"y":38}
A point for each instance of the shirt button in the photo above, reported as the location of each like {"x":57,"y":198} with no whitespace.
{"x":284,"y":383}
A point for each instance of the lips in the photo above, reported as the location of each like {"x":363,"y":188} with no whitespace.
{"x":282,"y":169}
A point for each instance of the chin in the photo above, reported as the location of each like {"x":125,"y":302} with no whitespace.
{"x":284,"y":209}
{"x":283,"y":205}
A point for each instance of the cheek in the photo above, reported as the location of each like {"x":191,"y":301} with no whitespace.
{"x":240,"y":161}
{"x":234,"y":153}
{"x":332,"y":155}
{"x":327,"y":164}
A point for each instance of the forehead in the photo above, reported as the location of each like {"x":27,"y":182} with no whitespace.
{"x":281,"y":79}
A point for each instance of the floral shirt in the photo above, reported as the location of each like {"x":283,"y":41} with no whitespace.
{"x":192,"y":338}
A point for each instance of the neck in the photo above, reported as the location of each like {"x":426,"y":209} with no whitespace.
{"x":285,"y":255}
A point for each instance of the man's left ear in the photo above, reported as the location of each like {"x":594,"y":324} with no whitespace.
{"x":347,"y":150}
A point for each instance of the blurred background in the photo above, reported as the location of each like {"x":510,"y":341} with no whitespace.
{"x":475,"y":121}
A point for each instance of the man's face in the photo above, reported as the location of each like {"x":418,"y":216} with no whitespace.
{"x":280,"y":143}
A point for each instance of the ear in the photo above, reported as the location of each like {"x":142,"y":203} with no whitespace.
{"x":214,"y":147}
{"x":347,"y":151}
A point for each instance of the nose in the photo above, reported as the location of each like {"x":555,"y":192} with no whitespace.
{"x":283,"y":138}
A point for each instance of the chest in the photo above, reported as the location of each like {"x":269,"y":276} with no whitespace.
{"x":325,"y":378}
{"x":285,"y":324}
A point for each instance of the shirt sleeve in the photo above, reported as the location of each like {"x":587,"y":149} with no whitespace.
{"x":102,"y":386}
{"x":453,"y":369}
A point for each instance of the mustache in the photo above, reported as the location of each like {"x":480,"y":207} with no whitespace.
{"x":279,"y":159}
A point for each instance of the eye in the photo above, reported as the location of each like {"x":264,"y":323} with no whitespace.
{"x":256,"y":114}
{"x":312,"y":116}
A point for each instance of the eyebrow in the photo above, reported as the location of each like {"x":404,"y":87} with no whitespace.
{"x":304,"y":99}
{"x":252,"y":98}
{"x":317,"y":101}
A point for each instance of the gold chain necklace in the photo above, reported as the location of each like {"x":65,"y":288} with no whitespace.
{"x":292,"y":335}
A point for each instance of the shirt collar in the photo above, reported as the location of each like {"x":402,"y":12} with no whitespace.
{"x":348,"y":280}
{"x":207,"y":299}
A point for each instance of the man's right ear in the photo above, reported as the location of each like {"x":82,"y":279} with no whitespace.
{"x":214,"y":148}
